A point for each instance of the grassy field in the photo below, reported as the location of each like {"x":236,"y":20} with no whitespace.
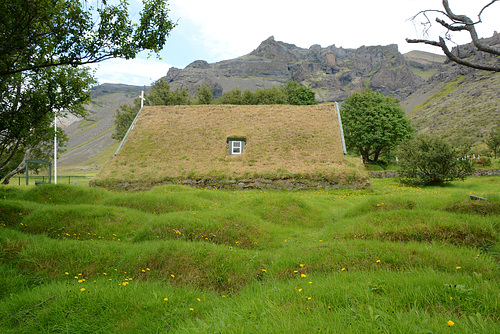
{"x":389,"y":259}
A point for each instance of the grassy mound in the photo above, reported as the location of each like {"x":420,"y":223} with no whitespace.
{"x":182,"y":260}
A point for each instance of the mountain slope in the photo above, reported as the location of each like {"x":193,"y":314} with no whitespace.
{"x":90,"y":142}
{"x":458,"y":102}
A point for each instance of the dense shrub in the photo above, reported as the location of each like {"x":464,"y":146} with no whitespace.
{"x":430,"y":160}
{"x":483,"y":161}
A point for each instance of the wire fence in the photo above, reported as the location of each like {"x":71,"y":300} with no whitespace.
{"x":77,"y":180}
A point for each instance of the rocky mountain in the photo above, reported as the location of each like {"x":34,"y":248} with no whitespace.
{"x":331,"y":72}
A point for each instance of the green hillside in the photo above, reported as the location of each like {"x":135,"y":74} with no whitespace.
{"x":460,"y":107}
{"x":90,"y":144}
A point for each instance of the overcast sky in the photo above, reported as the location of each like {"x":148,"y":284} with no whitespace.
{"x":216,"y":30}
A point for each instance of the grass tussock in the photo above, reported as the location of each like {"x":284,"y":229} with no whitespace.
{"x":476,"y":207}
{"x":182,"y":260}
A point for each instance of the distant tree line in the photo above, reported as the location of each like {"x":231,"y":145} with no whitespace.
{"x":161,"y":94}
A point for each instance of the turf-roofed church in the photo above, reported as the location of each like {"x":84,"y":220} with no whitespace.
{"x":227,"y":146}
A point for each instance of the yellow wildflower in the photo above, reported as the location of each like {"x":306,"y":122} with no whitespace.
{"x":450,"y":323}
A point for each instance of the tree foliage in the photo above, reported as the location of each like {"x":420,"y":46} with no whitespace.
{"x":459,"y":23}
{"x":124,"y":116}
{"x":493,"y":140}
{"x":47,"y":33}
{"x":160,"y":94}
{"x":233,"y":97}
{"x":29,"y":102}
{"x":290,"y":93}
{"x":267,"y":96}
{"x":204,"y":95}
{"x":373,"y":124}
{"x":43,"y":42}
{"x":430,"y":160}
{"x":298,"y":95}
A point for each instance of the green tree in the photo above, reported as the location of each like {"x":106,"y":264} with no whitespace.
{"x":289,"y":93}
{"x":41,"y":44}
{"x":247,"y":97}
{"x":493,"y":140}
{"x":267,"y":96}
{"x":298,"y":95}
{"x":30,"y":103}
{"x":430,"y":160}
{"x":160,"y":94}
{"x":48,"y":33}
{"x":232,"y":97}
{"x":124,"y":116}
{"x":373,"y":124}
{"x":204,"y":95}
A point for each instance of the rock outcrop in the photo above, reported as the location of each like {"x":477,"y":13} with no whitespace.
{"x":331,"y":72}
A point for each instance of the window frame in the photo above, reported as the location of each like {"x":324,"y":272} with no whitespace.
{"x":241,"y":141}
{"x":239,"y":147}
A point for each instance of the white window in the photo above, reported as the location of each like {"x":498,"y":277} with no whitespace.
{"x":236,"y":147}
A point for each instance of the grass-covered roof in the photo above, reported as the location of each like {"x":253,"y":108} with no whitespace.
{"x":190,"y":142}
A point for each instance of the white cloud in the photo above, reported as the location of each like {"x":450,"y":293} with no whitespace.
{"x":227,"y":28}
{"x":137,"y":71}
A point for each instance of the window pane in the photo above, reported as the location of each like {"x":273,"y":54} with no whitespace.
{"x":236,"y":147}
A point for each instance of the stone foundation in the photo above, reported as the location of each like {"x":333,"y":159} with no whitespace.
{"x":243,"y":184}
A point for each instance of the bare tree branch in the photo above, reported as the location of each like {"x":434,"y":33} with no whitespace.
{"x":460,"y":23}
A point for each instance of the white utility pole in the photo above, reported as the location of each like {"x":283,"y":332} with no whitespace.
{"x":142,"y":99}
{"x":55,"y":148}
